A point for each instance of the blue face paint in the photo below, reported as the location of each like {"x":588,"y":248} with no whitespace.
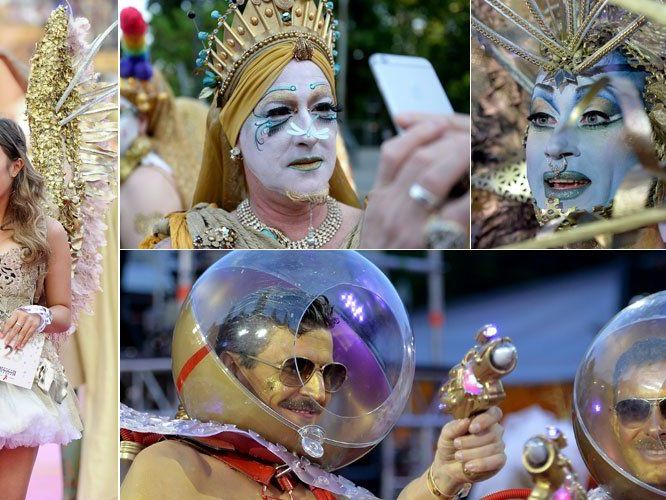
{"x":597,"y":155}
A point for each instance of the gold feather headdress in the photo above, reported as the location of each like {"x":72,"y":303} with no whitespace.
{"x":571,"y":36}
{"x":72,"y":139}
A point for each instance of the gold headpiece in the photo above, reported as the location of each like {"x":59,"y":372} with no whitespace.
{"x":239,"y":35}
{"x":567,"y":49}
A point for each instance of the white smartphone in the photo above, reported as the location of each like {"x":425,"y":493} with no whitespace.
{"x":409,"y":84}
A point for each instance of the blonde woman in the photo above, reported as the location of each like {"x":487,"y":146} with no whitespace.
{"x":35,"y":298}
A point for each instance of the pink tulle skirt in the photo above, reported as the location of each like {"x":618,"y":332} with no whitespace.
{"x":30,"y":417}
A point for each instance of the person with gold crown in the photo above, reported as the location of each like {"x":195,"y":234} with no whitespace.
{"x":161,"y":137}
{"x":283,"y":379}
{"x":594,"y":148}
{"x":271,"y":177}
{"x":52,"y":204}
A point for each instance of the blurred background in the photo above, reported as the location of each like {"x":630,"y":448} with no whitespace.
{"x":86,"y":468}
{"x":435,"y":29}
{"x":551,"y":304}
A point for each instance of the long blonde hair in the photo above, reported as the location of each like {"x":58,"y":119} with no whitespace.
{"x":25,"y":214}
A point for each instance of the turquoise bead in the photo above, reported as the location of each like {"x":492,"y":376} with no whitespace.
{"x":335,"y":53}
{"x":329,"y":5}
{"x":336,"y":69}
{"x":203,"y":53}
{"x":209,"y":82}
{"x":202,"y":35}
{"x":215,"y":14}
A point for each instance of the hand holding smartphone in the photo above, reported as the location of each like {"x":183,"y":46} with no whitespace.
{"x":409,"y":84}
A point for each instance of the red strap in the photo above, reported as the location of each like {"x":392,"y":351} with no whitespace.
{"x":261,"y":473}
{"x":321,"y":494}
{"x":509,"y":494}
{"x":143,"y":438}
{"x":190,"y":365}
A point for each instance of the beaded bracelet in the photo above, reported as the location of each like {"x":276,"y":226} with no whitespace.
{"x":44,"y":313}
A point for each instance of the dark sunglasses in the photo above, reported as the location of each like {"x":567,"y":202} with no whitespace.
{"x":636,"y":411}
{"x":297,"y":371}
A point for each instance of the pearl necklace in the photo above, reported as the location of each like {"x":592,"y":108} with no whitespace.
{"x":316,"y":238}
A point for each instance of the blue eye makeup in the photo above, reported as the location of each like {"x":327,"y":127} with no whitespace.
{"x":269,"y":126}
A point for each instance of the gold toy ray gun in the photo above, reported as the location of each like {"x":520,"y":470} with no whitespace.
{"x":474,"y":385}
{"x":553,"y":474}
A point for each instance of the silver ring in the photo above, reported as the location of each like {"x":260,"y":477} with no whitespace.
{"x":20,"y":325}
{"x":440,"y":233}
{"x":421,"y":195}
{"x":557,"y":168}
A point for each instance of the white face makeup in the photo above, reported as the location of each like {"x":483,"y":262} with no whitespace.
{"x":130,"y":125}
{"x":288,"y":142}
{"x":584,"y":166}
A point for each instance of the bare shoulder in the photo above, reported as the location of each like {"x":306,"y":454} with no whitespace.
{"x":55,"y":232}
{"x":183,"y":472}
{"x":161,"y":197}
{"x":165,"y":452}
{"x":168,"y":460}
{"x":350,"y":213}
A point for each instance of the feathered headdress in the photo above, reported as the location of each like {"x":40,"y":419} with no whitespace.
{"x":73,"y":143}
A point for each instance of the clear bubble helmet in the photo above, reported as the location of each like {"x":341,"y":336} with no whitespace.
{"x":619,"y":402}
{"x":310,"y":349}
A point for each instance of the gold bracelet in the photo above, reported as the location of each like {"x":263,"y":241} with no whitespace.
{"x":433,"y":487}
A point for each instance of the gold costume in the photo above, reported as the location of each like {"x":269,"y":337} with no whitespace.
{"x":174,"y":129}
{"x":260,"y":42}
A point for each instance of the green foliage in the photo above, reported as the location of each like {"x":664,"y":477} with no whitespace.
{"x":435,"y":29}
{"x":389,"y":26}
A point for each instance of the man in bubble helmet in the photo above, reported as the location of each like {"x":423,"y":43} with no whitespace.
{"x":290,"y":365}
{"x":620,"y":404}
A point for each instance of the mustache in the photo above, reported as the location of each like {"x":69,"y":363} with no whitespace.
{"x":651,"y":444}
{"x":301,"y":404}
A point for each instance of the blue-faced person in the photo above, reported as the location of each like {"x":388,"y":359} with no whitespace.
{"x":581,"y":166}
{"x":596,"y":127}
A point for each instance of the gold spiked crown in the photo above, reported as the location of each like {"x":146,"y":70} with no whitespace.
{"x":567,"y":42}
{"x":241,"y":33}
